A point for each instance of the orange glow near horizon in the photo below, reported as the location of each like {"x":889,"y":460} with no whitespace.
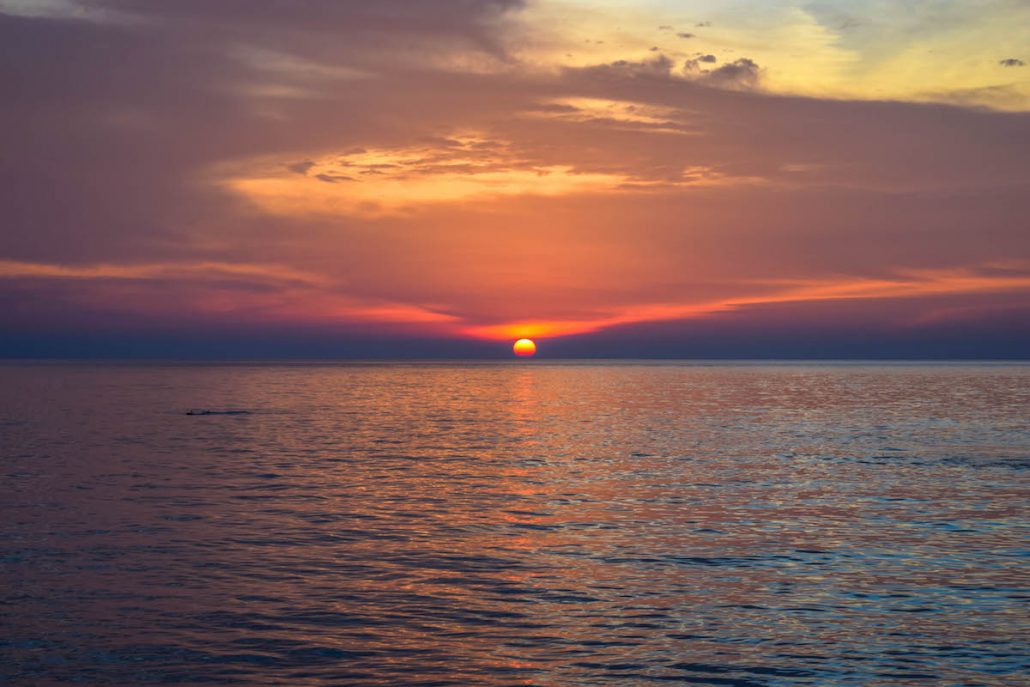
{"x":926,"y":283}
{"x":300,"y":297}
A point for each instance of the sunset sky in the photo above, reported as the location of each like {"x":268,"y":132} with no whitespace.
{"x":258,"y":178}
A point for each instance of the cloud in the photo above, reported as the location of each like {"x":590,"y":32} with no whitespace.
{"x":619,"y":113}
{"x":171,"y":270}
{"x":431,"y":16}
{"x":925,"y":284}
{"x":463,"y":168}
{"x":151,"y":172}
{"x":59,"y":9}
{"x":1004,"y":97}
{"x":300,"y":167}
{"x":1011,"y":62}
{"x":452,"y":170}
{"x":333,"y":178}
{"x":685,"y":35}
{"x":660,"y":65}
{"x":742,"y":73}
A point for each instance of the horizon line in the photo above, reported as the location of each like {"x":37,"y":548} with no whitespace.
{"x":510,"y":360}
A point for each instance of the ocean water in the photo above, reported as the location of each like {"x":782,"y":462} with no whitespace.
{"x":514,"y":524}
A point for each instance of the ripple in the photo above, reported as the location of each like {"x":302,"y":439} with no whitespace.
{"x":498,"y":525}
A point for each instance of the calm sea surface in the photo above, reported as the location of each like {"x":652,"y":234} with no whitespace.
{"x":514,"y":524}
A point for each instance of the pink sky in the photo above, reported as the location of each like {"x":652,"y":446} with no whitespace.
{"x":454,"y":170}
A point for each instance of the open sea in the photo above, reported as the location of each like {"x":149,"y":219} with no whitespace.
{"x":532,"y":523}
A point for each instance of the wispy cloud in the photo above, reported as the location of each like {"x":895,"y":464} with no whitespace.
{"x":920,"y":284}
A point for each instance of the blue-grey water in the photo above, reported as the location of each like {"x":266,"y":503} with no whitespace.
{"x":514,"y":524}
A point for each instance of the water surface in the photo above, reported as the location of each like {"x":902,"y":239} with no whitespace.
{"x":524,"y":524}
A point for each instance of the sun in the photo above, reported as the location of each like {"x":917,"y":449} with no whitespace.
{"x":524,"y":348}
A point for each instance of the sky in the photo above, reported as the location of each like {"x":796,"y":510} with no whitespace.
{"x":612,"y":178}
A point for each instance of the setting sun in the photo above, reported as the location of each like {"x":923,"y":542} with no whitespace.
{"x":524,"y":348}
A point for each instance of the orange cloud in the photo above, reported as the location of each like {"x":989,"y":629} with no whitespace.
{"x":309,"y":299}
{"x":459,"y":168}
{"x":380,"y":181}
{"x":164,"y":270}
{"x":917,"y":284}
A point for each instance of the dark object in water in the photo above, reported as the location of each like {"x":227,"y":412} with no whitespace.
{"x":217,"y":412}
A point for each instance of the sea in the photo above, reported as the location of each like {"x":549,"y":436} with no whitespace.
{"x":527,"y":523}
